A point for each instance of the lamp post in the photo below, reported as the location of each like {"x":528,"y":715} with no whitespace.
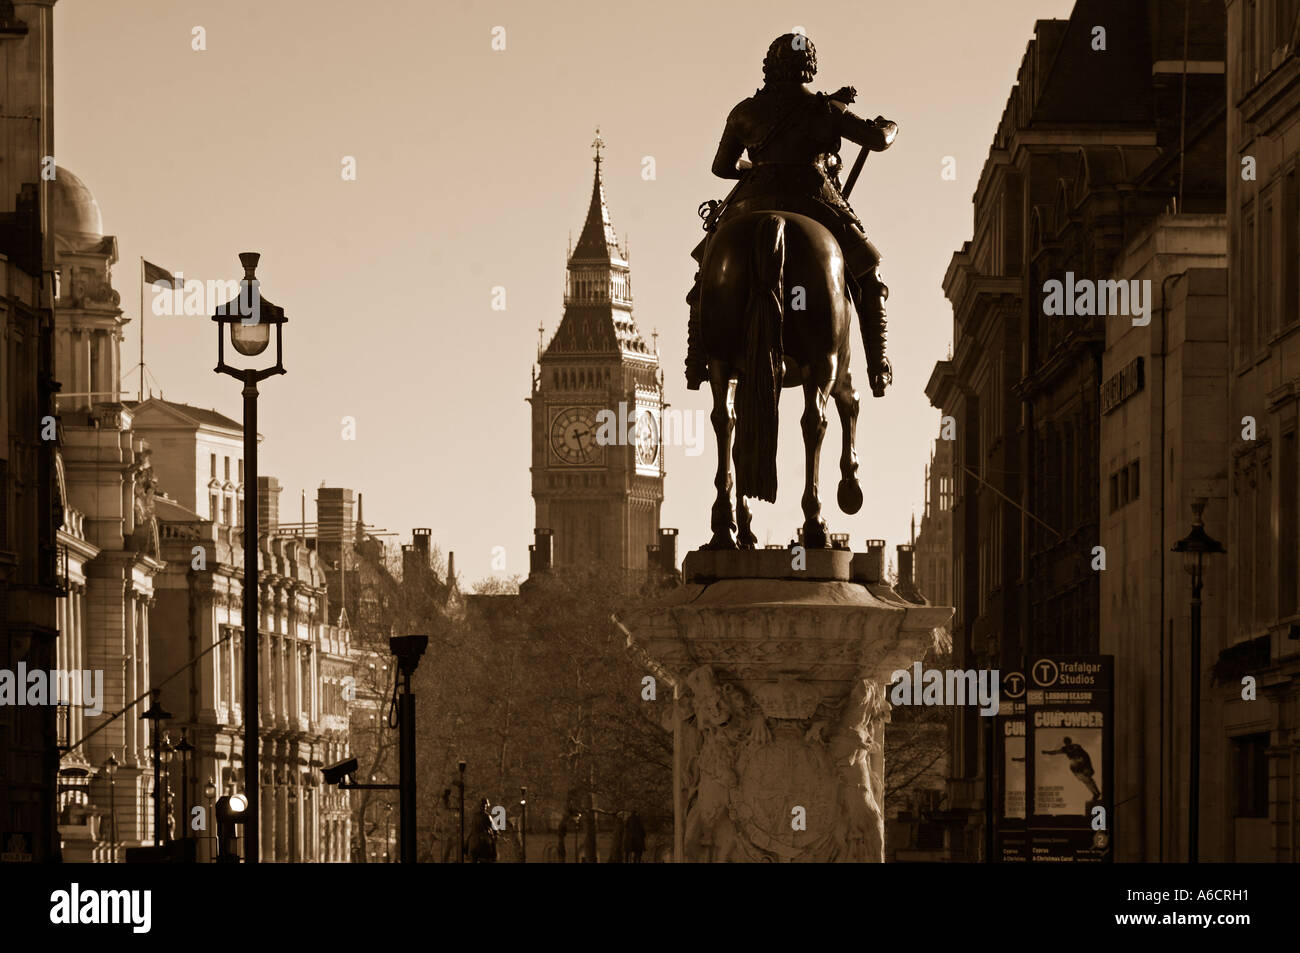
{"x":295,"y":846}
{"x":110,"y":769}
{"x":461,"y":785}
{"x":167,"y":756}
{"x":184,"y":747}
{"x":155,"y":714}
{"x":209,"y":793}
{"x":388,"y":832}
{"x":523,"y":825}
{"x":1195,"y":546}
{"x":250,"y":317}
{"x":577,"y":827}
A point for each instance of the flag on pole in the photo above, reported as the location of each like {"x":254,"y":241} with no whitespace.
{"x":156,"y":274}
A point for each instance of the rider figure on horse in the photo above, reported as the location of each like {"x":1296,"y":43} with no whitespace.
{"x":793,"y":137}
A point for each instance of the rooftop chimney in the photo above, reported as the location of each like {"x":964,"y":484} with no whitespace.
{"x":334,"y":522}
{"x":268,"y":505}
{"x":668,"y":550}
{"x":541,"y":550}
{"x":906,"y":583}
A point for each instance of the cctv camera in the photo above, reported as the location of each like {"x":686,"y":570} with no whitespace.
{"x":407,"y":649}
{"x":338,"y":773}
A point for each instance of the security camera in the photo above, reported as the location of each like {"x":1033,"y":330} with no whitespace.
{"x":338,"y":773}
{"x":407,"y":649}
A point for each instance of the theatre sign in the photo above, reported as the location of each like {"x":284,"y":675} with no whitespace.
{"x":1122,"y":385}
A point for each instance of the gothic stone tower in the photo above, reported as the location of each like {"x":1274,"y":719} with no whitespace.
{"x":597,"y":403}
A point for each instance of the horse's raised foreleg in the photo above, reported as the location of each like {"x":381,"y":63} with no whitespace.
{"x":846,"y":402}
{"x":816,"y":391}
{"x":723,"y":419}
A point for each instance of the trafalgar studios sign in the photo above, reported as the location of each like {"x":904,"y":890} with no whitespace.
{"x":1054,"y":750}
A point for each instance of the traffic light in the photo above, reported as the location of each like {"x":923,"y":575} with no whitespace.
{"x":230,"y":811}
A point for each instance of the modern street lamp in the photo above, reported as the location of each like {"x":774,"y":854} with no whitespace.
{"x":250,"y":317}
{"x":1195,"y":546}
{"x":523,"y":825}
{"x":110,"y":769}
{"x":156,"y":714}
{"x":461,"y":785}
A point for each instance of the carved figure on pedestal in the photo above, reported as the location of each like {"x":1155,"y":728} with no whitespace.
{"x":726,"y":725}
{"x":857,"y":749}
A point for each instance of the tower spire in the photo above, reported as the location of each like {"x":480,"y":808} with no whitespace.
{"x":597,"y":240}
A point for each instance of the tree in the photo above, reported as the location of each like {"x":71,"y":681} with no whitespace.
{"x":537,"y":688}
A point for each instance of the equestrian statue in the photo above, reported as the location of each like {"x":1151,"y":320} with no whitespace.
{"x":782,"y":265}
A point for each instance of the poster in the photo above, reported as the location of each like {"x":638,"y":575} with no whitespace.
{"x":1068,"y":752}
{"x":1009,"y":845}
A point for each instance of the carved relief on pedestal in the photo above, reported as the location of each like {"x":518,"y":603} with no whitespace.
{"x":781,"y":775}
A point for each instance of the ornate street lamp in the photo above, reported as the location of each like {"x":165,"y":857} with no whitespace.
{"x":156,"y":714}
{"x":250,"y":317}
{"x":1195,"y":546}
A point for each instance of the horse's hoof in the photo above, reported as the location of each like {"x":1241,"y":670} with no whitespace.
{"x":849,"y":496}
{"x":814,"y":535}
{"x":721,"y":542}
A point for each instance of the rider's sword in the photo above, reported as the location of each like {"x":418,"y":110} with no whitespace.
{"x":856,"y":171}
{"x":858,"y":163}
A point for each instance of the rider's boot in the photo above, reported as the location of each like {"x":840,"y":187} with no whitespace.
{"x":871,"y":313}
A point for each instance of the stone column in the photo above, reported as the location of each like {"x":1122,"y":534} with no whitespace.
{"x":781,"y":663}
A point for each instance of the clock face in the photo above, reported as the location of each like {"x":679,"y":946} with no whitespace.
{"x":647,"y":438}
{"x":573,"y":435}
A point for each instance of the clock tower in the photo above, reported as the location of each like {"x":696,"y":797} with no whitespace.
{"x":597,"y":405}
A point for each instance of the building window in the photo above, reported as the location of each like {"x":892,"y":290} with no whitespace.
{"x":212,"y":463}
{"x":213,"y":513}
{"x":241,"y":470}
{"x":1250,"y":760}
{"x":226,"y":512}
{"x":227,"y":460}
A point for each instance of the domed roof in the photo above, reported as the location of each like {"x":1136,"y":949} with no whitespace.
{"x":73,"y":209}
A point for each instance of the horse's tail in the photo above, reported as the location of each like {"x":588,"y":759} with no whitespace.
{"x":758,"y":391}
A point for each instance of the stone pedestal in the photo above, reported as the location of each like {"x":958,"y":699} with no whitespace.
{"x":779,"y":677}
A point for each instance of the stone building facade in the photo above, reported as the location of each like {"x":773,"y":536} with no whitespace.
{"x":109,"y":484}
{"x":29,"y":504}
{"x":1164,"y":440}
{"x":1259,"y":740}
{"x":1092,"y":146}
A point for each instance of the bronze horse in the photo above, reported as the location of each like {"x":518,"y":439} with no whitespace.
{"x":775,"y":312}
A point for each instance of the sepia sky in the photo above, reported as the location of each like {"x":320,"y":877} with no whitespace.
{"x":473,"y":167}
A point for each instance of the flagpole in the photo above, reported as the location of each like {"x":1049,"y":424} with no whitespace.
{"x":141,"y":394}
